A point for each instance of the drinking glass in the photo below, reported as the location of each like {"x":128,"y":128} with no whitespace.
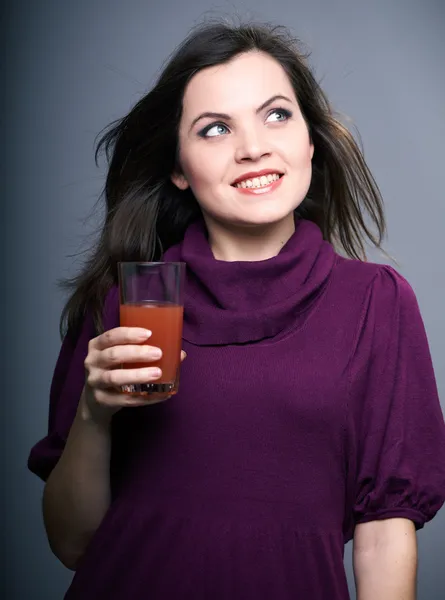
{"x":151,"y":296}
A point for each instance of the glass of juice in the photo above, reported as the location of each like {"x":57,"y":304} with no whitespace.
{"x":151,"y":296}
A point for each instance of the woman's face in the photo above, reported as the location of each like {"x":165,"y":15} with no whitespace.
{"x":244,"y":147}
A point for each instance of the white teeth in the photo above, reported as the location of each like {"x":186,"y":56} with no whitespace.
{"x":257,"y":182}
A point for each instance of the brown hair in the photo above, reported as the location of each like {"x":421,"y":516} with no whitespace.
{"x":146,"y":213}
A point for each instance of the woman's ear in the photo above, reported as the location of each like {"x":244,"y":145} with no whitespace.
{"x":179,"y":180}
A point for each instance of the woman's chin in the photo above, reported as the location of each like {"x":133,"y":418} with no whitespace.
{"x":262,"y":219}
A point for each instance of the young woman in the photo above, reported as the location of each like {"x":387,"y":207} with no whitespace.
{"x":307,"y":413}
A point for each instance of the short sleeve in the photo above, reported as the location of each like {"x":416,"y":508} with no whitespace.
{"x":399,"y":423}
{"x":66,"y":387}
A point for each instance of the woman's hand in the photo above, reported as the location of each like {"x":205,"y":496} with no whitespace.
{"x":101,"y":397}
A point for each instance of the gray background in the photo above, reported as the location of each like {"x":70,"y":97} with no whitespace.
{"x":71,"y":67}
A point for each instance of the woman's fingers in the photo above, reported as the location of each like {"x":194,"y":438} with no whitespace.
{"x":115,"y":356}
{"x":104,"y":378}
{"x":120,"y":336}
{"x":112,"y":399}
{"x":112,"y":358}
{"x":108,"y":354}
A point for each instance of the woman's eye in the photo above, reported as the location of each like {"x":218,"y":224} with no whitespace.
{"x":217,"y":129}
{"x":214,"y":130}
{"x":281,"y":113}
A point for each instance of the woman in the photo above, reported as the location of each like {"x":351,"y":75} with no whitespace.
{"x":307,"y":413}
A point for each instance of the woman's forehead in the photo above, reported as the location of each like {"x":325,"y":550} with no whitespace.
{"x":244,"y":83}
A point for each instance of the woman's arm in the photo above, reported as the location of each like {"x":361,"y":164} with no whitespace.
{"x":77,"y":493}
{"x":385,"y":560}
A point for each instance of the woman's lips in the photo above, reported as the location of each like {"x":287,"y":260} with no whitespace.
{"x":261,"y":190}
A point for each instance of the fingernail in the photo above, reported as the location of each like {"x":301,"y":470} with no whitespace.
{"x":144,"y":333}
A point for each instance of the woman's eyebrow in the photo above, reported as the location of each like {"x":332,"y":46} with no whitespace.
{"x":226,"y":117}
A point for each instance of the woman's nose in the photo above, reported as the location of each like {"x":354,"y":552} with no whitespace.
{"x":251,"y":146}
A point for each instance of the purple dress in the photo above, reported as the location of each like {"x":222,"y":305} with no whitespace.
{"x":307,"y":404}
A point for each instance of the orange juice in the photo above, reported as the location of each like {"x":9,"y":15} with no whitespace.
{"x":164,"y":320}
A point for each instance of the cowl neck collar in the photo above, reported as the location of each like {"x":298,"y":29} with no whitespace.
{"x":241,"y":302}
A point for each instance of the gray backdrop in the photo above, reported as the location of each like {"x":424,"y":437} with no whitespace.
{"x":71,"y":67}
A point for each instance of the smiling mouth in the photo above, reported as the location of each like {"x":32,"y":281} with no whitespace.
{"x":259,"y":190}
{"x":258,"y":182}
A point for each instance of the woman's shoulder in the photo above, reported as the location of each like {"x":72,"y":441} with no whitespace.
{"x":383,"y":282}
{"x":376,"y":293}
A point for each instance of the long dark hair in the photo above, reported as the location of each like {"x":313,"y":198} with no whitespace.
{"x":146,"y":213}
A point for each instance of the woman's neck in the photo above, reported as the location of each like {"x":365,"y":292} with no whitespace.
{"x":249,"y":244}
